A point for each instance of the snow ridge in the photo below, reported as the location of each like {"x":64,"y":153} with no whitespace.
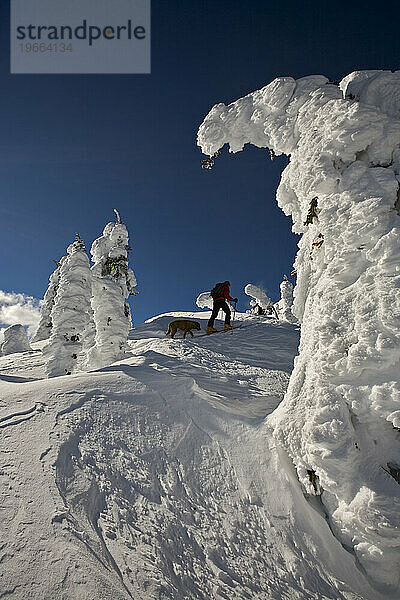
{"x":159,"y":477}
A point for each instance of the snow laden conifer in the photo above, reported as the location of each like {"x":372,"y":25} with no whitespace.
{"x":204,"y":300}
{"x":15,"y":340}
{"x":113,"y":282}
{"x":260,"y":301}
{"x":43,"y":331}
{"x":340,"y":419}
{"x":71,"y":314}
{"x":285,"y":304}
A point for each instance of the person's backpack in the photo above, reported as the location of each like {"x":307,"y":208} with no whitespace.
{"x":216,"y":292}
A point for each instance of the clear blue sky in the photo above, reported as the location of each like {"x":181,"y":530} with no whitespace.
{"x":73,"y":147}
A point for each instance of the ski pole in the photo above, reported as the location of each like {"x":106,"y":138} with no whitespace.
{"x":234,"y":312}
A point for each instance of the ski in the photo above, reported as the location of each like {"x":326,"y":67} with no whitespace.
{"x":242,"y":326}
{"x":223,"y":330}
{"x":214,"y":332}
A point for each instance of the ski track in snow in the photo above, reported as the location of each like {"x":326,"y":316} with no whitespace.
{"x":158,"y":478}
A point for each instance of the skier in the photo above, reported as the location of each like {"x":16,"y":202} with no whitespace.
{"x":220,"y":294}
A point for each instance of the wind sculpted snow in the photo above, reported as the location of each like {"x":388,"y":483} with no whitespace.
{"x":158,"y":477}
{"x":340,"y":419}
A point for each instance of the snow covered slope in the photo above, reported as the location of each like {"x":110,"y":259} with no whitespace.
{"x":341,"y":417}
{"x":158,"y":477}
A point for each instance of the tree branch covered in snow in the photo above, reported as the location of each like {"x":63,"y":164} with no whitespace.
{"x":341,"y":190}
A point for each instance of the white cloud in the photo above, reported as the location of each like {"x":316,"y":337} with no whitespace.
{"x":19,"y":308}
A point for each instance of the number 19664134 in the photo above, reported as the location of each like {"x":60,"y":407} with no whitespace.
{"x":52,"y":47}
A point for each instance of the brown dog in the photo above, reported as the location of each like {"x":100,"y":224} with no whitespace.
{"x":184,"y":324}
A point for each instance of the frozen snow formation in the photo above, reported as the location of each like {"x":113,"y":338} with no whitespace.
{"x":43,"y":331}
{"x":285,"y":304}
{"x":204,"y":300}
{"x":113,"y":282}
{"x":71,"y":314}
{"x":88,"y":307}
{"x":340,"y":420}
{"x":15,"y":340}
{"x":258,"y":295}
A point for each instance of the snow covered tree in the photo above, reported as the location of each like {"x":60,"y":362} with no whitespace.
{"x":285,"y":304}
{"x":113,"y":282}
{"x":15,"y":340}
{"x":340,"y":418}
{"x":71,"y":314}
{"x":259,"y":299}
{"x":43,"y":331}
{"x":204,"y":300}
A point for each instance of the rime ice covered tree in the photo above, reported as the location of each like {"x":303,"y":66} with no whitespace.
{"x":204,"y":300}
{"x":340,"y":419}
{"x":285,"y":304}
{"x":113,"y":282}
{"x":43,"y":331}
{"x":259,"y":298}
{"x":71,"y":314}
{"x":15,"y":340}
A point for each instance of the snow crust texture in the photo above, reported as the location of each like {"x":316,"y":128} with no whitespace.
{"x":340,"y":419}
{"x":158,"y":477}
